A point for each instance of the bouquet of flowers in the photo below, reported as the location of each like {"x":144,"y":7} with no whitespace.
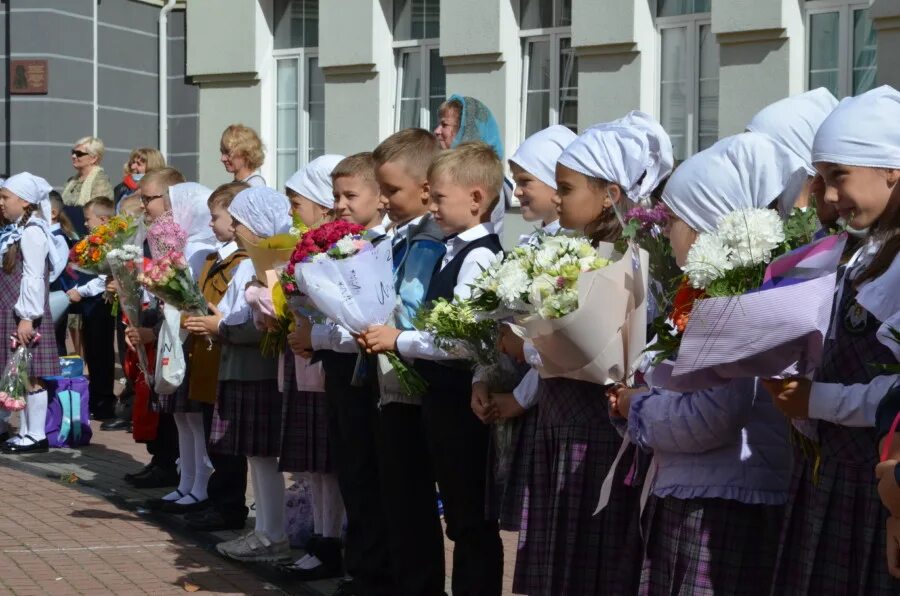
{"x":350,"y":281}
{"x":583,"y":308}
{"x":89,"y":253}
{"x":645,"y":227}
{"x":169,"y":278}
{"x":270,"y":255}
{"x":14,"y":383}
{"x":751,"y":305}
{"x":127,"y":264}
{"x":165,"y":236}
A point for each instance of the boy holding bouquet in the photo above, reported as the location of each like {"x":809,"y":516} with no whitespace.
{"x":465,"y":186}
{"x":415,"y":537}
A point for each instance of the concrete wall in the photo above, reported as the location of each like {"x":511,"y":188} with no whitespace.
{"x":43,"y":127}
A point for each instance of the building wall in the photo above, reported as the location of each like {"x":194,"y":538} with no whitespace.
{"x":43,"y":127}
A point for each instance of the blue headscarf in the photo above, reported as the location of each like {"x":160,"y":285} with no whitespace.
{"x":477,"y":123}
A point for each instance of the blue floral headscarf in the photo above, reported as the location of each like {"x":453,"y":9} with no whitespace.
{"x":477,"y":123}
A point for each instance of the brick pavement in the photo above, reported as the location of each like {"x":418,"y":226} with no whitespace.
{"x":109,"y":534}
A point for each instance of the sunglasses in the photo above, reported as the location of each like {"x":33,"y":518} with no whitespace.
{"x":79,"y":154}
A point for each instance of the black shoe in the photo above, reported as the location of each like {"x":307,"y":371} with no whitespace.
{"x":347,"y":587}
{"x":104,"y":414}
{"x":42,"y":446}
{"x":4,"y":437}
{"x":117,"y":424}
{"x":142,"y":472}
{"x":156,"y":478}
{"x":328,"y":551}
{"x":173,"y":507}
{"x":212,"y":520}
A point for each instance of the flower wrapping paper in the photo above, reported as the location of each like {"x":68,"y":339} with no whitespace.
{"x":602,"y":340}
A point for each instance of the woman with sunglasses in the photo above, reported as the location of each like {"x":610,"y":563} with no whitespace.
{"x":90,"y":180}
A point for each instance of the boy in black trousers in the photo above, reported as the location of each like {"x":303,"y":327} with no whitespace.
{"x":465,"y":185}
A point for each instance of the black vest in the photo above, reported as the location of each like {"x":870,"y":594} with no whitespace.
{"x":451,"y":377}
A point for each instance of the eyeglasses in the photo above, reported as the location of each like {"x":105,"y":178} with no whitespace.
{"x":147,"y":199}
{"x":79,"y":154}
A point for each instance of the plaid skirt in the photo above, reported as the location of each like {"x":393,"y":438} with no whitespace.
{"x":304,"y":427}
{"x":178,"y":402}
{"x":44,"y":357}
{"x":833,"y":538}
{"x":247,"y":419}
{"x":563,"y":547}
{"x":708,"y":547}
{"x":508,"y":469}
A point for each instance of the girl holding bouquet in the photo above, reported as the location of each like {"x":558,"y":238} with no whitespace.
{"x":563,"y":547}
{"x":533,"y":167}
{"x":834,"y":530}
{"x":24,"y":299}
{"x":722,"y":460}
{"x":248,"y":415}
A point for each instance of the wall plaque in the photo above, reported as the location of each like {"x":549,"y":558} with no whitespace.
{"x":28,"y":77}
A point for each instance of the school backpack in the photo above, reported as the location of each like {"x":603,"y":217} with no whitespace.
{"x":68,"y":413}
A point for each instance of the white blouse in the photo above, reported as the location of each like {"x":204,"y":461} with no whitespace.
{"x":32,"y":289}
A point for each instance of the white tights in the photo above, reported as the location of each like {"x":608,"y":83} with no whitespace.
{"x":328,"y":506}
{"x":268,"y":491}
{"x":194,"y":464}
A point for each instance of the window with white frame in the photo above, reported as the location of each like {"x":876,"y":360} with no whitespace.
{"x":300,"y":87}
{"x":549,"y":65}
{"x":689,"y":75}
{"x":421,"y":78}
{"x":841,"y":46}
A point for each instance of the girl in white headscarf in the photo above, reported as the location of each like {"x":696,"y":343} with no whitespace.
{"x":834,"y":532}
{"x":247,"y":418}
{"x":24,"y":300}
{"x":722,"y":463}
{"x":309,"y":190}
{"x":564,"y":548}
{"x":186,"y":202}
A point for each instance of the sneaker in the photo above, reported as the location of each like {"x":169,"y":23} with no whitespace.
{"x":255,"y":547}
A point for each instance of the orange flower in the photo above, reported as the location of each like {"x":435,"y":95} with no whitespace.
{"x":683,"y":304}
{"x":96,"y":254}
{"x":122,"y":224}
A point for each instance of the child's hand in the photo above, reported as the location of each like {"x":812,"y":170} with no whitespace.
{"x":25,"y":332}
{"x":893,"y":546}
{"x":112,"y":286}
{"x":73,"y":295}
{"x":135,"y":336}
{"x":791,"y":396}
{"x":506,"y":406}
{"x":300,"y":339}
{"x":481,"y":403}
{"x":620,"y":400}
{"x":379,"y":338}
{"x":887,"y":486}
{"x":511,"y":344}
{"x":206,"y":325}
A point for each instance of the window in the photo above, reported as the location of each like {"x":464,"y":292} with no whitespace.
{"x":689,"y":75}
{"x":841,"y":46}
{"x":300,"y":93}
{"x":421,"y":78}
{"x":550,"y":66}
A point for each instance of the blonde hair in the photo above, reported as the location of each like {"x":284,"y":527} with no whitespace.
{"x":471,"y":164}
{"x":150,"y":156}
{"x":101,"y":206}
{"x":130,"y":205}
{"x":167,"y":176}
{"x":415,"y":148}
{"x":243,"y":140}
{"x":361,"y":165}
{"x":225,"y":193}
{"x":451,"y":104}
{"x":93,"y":146}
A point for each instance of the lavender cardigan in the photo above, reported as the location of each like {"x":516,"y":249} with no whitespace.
{"x":728,"y":442}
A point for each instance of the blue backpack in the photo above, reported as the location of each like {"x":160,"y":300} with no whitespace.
{"x":68,"y":413}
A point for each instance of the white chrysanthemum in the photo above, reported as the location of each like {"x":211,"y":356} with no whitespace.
{"x":752,"y":235}
{"x":543,"y":286}
{"x":319,"y":257}
{"x":345,"y":245}
{"x":707,"y":260}
{"x":513,"y":282}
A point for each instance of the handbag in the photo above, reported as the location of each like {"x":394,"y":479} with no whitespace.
{"x":171,"y":366}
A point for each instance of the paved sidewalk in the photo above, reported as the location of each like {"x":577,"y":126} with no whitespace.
{"x":80,"y":501}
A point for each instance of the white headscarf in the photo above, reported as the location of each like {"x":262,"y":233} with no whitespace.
{"x":745,"y":171}
{"x":191,"y":211}
{"x":36,"y":190}
{"x":32,"y":189}
{"x":265,"y":211}
{"x":862,"y":131}
{"x":539,"y":153}
{"x":314,"y":180}
{"x":661,"y":155}
{"x":611,"y":152}
{"x":792,"y":122}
